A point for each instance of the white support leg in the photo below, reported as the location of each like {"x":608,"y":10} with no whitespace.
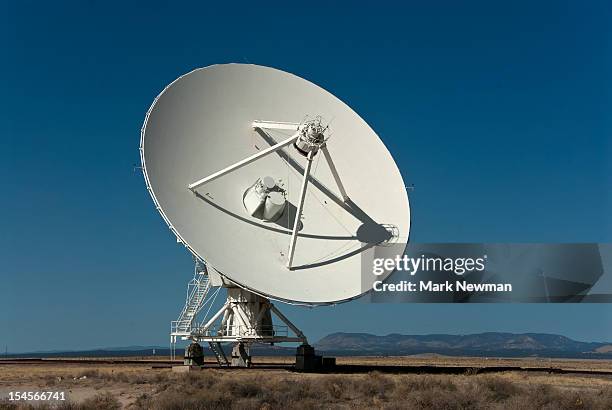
{"x":244,"y":325}
{"x":300,"y":207}
{"x":291,"y":326}
{"x":193,"y":186}
{"x":208,"y":324}
{"x":334,"y":171}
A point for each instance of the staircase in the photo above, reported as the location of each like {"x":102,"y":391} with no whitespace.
{"x":219,"y":353}
{"x":197,"y":289}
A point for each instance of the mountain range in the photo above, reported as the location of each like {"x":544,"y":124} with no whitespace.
{"x":481,"y":344}
{"x":491,"y":344}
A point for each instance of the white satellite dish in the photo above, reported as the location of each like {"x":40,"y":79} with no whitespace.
{"x":272,"y":181}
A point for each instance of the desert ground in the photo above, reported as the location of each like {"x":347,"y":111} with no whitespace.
{"x":426,"y":383}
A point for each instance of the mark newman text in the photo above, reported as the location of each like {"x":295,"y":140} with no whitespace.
{"x":431,"y":286}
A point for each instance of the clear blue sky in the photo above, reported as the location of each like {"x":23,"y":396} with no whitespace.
{"x":499,"y":113}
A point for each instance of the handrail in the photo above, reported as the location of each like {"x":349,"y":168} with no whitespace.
{"x":240,"y":330}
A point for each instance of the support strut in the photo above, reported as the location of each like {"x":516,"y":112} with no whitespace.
{"x":300,"y":208}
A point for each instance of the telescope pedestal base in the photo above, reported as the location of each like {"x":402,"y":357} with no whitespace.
{"x":244,"y":319}
{"x":306,"y":360}
{"x":240,"y":356}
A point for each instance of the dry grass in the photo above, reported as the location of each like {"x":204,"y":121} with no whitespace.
{"x":374,"y":390}
{"x":139,"y":387}
{"x":102,"y":401}
{"x":214,"y":389}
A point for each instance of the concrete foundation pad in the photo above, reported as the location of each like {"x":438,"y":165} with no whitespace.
{"x":185,"y":369}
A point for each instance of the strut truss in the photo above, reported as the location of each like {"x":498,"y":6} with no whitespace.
{"x":247,"y":318}
{"x":309,"y":139}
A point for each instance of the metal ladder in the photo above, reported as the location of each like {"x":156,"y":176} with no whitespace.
{"x":197,"y":289}
{"x":219,"y":353}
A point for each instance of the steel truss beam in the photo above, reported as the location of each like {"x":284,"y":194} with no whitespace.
{"x":275,"y":125}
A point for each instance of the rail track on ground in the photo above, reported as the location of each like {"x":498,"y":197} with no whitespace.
{"x":337,"y":369}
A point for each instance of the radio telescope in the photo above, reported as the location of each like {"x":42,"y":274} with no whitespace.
{"x":277,"y":188}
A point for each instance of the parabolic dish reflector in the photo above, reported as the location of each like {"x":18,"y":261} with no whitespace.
{"x":203,"y":122}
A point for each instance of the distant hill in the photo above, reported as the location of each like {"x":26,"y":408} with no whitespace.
{"x":482,"y":344}
{"x":492,"y":344}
